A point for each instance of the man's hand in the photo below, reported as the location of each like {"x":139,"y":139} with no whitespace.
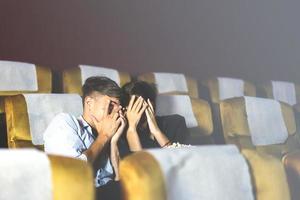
{"x":120,"y":130}
{"x":135,"y":110}
{"x":109,"y":123}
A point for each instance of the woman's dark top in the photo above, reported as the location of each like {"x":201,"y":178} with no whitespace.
{"x":173,"y":126}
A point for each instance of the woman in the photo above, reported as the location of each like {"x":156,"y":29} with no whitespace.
{"x":144,"y":129}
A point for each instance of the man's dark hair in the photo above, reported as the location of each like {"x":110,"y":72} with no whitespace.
{"x":102,"y":85}
{"x":139,"y":88}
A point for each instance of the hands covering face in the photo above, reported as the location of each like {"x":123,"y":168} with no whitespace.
{"x":137,"y":106}
{"x":135,"y":110}
{"x":112,"y":122}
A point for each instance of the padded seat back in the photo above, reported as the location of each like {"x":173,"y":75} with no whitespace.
{"x":197,"y":112}
{"x":28,"y":115}
{"x":20,"y":77}
{"x":222,"y":88}
{"x":172,"y":83}
{"x":286,"y":92}
{"x":262,"y":124}
{"x":291,"y":163}
{"x":73,"y":79}
{"x":33,"y":175}
{"x":203,"y":172}
{"x":268,"y":176}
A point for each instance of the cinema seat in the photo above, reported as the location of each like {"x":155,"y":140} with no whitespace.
{"x":268,"y":176}
{"x":28,"y":115}
{"x":199,"y":172}
{"x":172,"y":83}
{"x":73,"y":79}
{"x":20,"y":77}
{"x":196,"y":112}
{"x":29,"y":174}
{"x":287,"y":92}
{"x":265,"y":125}
{"x":220,"y":88}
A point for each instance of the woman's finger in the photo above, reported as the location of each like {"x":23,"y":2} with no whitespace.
{"x":150,"y":104}
{"x":132,"y":99}
{"x":141,"y":111}
{"x":138,"y":104}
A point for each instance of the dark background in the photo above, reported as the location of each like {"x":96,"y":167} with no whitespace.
{"x":252,"y":39}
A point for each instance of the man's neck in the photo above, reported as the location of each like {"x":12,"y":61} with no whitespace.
{"x":88,"y":119}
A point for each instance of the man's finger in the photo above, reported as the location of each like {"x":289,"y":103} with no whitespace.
{"x":116,"y":109}
{"x":118,"y":122}
{"x":94,"y":119}
{"x":106,"y":107}
{"x":115,"y":116}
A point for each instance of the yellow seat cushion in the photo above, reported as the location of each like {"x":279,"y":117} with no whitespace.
{"x":292,"y":166}
{"x":269,"y":179}
{"x":72,"y":179}
{"x":142,"y":178}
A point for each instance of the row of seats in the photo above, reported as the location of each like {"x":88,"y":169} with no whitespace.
{"x":18,"y":77}
{"x":231,"y":114}
{"x":29,"y":174}
{"x":203,"y":172}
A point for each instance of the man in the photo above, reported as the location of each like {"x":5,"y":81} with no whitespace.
{"x":145,"y":130}
{"x":93,"y":136}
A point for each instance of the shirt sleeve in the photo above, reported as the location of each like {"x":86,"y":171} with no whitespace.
{"x":61,"y":137}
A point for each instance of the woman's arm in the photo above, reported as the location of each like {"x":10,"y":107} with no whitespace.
{"x":134,"y":113}
{"x":160,"y":137}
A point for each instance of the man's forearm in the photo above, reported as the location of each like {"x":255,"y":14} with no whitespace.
{"x":115,"y":158}
{"x":97,"y":147}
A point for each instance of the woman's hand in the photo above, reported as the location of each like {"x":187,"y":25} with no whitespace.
{"x":135,"y":109}
{"x":160,"y":137}
{"x":154,"y":129}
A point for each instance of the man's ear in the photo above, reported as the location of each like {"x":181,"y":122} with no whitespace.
{"x":88,"y":101}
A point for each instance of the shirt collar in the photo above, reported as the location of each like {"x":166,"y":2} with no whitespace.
{"x":84,"y":123}
{"x":86,"y":126}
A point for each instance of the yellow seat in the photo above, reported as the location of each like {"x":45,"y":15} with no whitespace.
{"x":17,"y":78}
{"x":286,"y":92}
{"x":219,"y":88}
{"x":32,"y":175}
{"x":196,"y":112}
{"x":73,"y":79}
{"x":28,"y":115}
{"x":203,"y":172}
{"x":292,"y":167}
{"x":176,"y":83}
{"x":268,"y":176}
{"x":235,"y":125}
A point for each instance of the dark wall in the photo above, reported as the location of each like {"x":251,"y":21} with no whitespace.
{"x":251,"y":39}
